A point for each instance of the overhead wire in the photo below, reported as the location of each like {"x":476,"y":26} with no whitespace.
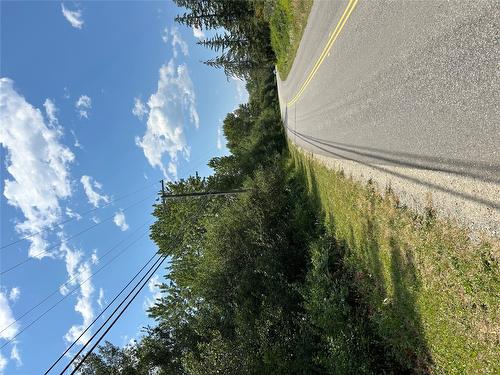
{"x":100,"y":314}
{"x":73,"y":291}
{"x":83,"y":214}
{"x":35,"y":256}
{"x":162,"y":259}
{"x":115,"y":320}
{"x":67,"y":282}
{"x":78,"y":216}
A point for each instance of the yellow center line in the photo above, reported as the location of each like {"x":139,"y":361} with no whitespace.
{"x":345,"y":16}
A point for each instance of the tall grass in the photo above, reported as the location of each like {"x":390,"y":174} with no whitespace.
{"x":413,"y":286}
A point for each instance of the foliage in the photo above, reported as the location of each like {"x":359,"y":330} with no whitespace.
{"x":287,"y":23}
{"x":427,"y":292}
{"x":244,"y":47}
{"x":306,"y":272}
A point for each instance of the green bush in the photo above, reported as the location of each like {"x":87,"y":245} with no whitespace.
{"x":280,"y":24}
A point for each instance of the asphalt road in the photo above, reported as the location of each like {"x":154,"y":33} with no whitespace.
{"x":408,"y":93}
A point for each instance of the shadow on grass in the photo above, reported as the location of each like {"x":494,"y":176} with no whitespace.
{"x":362,"y":305}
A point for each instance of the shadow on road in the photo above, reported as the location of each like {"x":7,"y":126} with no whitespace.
{"x":332,"y":146}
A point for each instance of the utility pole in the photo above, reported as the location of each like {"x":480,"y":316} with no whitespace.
{"x":165,"y":196}
{"x":163,"y":193}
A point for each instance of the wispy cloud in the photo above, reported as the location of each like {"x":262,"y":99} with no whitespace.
{"x":164,"y":35}
{"x":79,"y":273}
{"x":154,"y":288}
{"x":37,"y":163}
{"x":120,"y":221}
{"x":90,"y":186}
{"x":241,"y":90}
{"x":139,"y":110}
{"x":219,"y":137}
{"x":170,"y":106}
{"x":94,"y":258}
{"x":178,"y":42}
{"x":72,"y":214}
{"x":16,"y":356}
{"x":198,"y":33}
{"x":51,"y":110}
{"x":100,"y":300}
{"x":14,"y":294}
{"x":74,"y":17}
{"x":3,"y":363}
{"x":83,"y":105}
{"x":77,"y":143}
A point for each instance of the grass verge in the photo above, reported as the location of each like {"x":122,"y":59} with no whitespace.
{"x":288,"y":21}
{"x":429,"y":294}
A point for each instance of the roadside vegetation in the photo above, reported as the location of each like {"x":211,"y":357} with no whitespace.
{"x":287,"y":23}
{"x":428,"y":293}
{"x":307,"y":272}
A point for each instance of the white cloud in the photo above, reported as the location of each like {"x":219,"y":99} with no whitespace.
{"x":51,"y":110}
{"x":177,"y":41}
{"x":198,"y":33}
{"x":170,"y":107}
{"x":14,"y":294}
{"x":119,"y":220}
{"x":74,"y":17}
{"x":7,"y":319}
{"x":92,"y":195}
{"x":3,"y":363}
{"x":77,"y":143}
{"x":66,"y":94}
{"x":79,"y":273}
{"x":38,"y":164}
{"x":241,"y":90}
{"x":219,"y":137}
{"x":172,"y":170}
{"x":95,"y":219}
{"x":139,"y":109}
{"x":72,"y":214}
{"x":100,"y":300}
{"x":154,"y":288}
{"x":94,"y":258}
{"x":14,"y":354}
{"x":83,"y":105}
{"x":164,"y":35}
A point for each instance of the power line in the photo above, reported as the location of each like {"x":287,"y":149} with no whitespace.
{"x":77,"y":216}
{"x":34,"y":256}
{"x":114,"y":321}
{"x":74,"y":277}
{"x":110,"y":317}
{"x":85,"y":213}
{"x":100,"y":314}
{"x":72,"y":291}
{"x":117,"y":317}
{"x":156,"y":264}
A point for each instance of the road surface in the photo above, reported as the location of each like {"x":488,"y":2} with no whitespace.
{"x":406,"y":93}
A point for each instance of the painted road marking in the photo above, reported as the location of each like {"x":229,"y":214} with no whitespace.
{"x":345,"y":16}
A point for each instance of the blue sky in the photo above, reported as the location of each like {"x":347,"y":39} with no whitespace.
{"x":97,"y":100}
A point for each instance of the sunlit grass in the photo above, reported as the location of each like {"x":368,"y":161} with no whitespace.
{"x":432,"y":294}
{"x":287,"y":23}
